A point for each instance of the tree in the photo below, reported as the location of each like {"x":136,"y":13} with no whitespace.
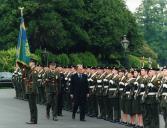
{"x":72,"y":26}
{"x":152,"y":17}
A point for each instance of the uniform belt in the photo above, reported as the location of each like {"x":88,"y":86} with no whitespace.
{"x":121,"y":89}
{"x":105,"y":86}
{"x":151,"y":93}
{"x":135,"y":90}
{"x":99,"y":81}
{"x":99,"y":86}
{"x":112,"y":89}
{"x":92,"y":87}
{"x":39,"y":80}
{"x":164,"y":94}
{"x":127,"y":92}
{"x":142,"y":93}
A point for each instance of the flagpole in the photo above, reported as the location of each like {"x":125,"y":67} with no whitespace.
{"x":21,"y":10}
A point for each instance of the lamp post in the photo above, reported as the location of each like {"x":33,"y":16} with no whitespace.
{"x":125,"y":44}
{"x":44,"y":58}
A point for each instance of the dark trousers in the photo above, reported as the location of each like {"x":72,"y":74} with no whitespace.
{"x":33,"y":107}
{"x":41,"y":95}
{"x":164,"y":113}
{"x":100,"y":105}
{"x":60,"y":103}
{"x":150,"y":116}
{"x":17,"y":92}
{"x":81,"y":103}
{"x":92,"y":106}
{"x":105,"y":108}
{"x":114,"y":108}
{"x":51,"y":103}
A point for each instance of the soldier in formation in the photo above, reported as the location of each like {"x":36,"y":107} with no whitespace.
{"x":134,"y":97}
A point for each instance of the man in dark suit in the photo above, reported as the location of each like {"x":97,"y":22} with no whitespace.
{"x":79,"y":92}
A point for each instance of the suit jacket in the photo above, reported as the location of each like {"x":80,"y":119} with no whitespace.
{"x":79,"y":86}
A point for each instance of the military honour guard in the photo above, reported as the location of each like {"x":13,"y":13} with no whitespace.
{"x":133,"y":97}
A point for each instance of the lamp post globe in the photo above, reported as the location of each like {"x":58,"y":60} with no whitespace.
{"x":125,"y":43}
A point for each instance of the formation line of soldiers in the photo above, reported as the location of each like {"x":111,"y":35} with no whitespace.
{"x":134,"y":97}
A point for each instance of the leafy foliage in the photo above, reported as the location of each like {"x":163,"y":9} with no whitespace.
{"x":68,"y":27}
{"x":152,"y":18}
{"x":8,"y":59}
{"x":86,"y":58}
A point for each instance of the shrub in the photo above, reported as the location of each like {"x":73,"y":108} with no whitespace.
{"x":8,"y":59}
{"x":138,"y":62}
{"x":62,"y":59}
{"x":134,"y":61}
{"x":88,"y":59}
{"x":74,"y":59}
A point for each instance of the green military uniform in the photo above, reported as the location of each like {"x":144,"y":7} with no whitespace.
{"x":61,"y":94}
{"x":99,"y":95}
{"x":129,"y":97}
{"x":40,"y":89}
{"x":68,"y":102}
{"x":151,"y":112}
{"x":31,"y":91}
{"x":107,"y":102}
{"x":136,"y":105}
{"x":52,"y":82}
{"x":113,"y":95}
{"x":92,"y":108}
{"x":122,"y":98}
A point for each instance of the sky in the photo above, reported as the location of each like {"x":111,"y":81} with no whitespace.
{"x":133,"y":4}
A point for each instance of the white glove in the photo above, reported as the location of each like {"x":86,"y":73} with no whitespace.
{"x":126,"y":84}
{"x":19,"y":73}
{"x":90,"y":79}
{"x":105,"y":80}
{"x":136,"y":83}
{"x":165,"y":85}
{"x":121,"y":83}
{"x":142,"y":85}
{"x":111,"y":82}
{"x":150,"y":85}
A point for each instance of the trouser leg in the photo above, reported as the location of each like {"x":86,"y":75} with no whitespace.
{"x":48,"y":104}
{"x":60,"y":104}
{"x":33,"y":107}
{"x":54,"y":105}
{"x":82,"y":108}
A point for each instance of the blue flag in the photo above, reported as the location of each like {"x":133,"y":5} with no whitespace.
{"x":22,"y":51}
